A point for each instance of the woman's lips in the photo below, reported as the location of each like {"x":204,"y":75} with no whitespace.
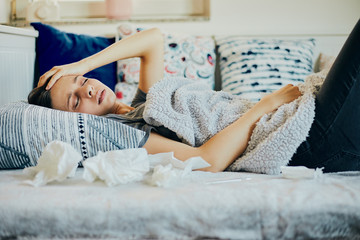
{"x":100,"y":96}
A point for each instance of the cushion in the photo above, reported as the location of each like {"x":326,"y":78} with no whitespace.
{"x":184,"y":55}
{"x":125,"y":92}
{"x":325,"y":61}
{"x":26,"y":129}
{"x":55,"y":47}
{"x":252,"y":68}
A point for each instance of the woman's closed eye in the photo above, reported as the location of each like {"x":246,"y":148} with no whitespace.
{"x":83,"y":83}
{"x":77,"y":103}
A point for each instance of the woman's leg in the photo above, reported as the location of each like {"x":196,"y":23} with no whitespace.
{"x":334,"y":138}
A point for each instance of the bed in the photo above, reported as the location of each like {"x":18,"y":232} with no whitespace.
{"x":227,"y":205}
{"x":202,"y":206}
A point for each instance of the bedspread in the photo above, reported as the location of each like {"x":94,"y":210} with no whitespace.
{"x":227,"y":205}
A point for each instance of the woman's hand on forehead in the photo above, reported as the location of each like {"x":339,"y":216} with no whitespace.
{"x":57,"y":72}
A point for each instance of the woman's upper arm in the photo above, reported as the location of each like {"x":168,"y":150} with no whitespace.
{"x":152,"y":62}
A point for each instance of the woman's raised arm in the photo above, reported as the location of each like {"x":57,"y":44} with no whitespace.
{"x":147,"y":45}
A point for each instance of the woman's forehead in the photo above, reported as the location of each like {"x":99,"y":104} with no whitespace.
{"x":65,"y":82}
{"x":61,"y":90}
{"x":69,"y":78}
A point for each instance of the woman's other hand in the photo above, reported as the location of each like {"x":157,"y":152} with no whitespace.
{"x":284,"y":95}
{"x":76,"y":68}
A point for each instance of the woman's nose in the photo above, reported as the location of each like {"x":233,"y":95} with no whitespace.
{"x":89,"y":91}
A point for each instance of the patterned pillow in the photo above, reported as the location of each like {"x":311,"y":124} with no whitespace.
{"x":325,"y":61}
{"x":184,"y":55}
{"x":125,"y":92}
{"x":26,"y":129}
{"x":252,"y":68}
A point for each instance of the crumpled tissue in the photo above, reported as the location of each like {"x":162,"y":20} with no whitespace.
{"x":168,"y":170}
{"x":117,"y":167}
{"x":58,"y":161}
{"x":300,"y":172}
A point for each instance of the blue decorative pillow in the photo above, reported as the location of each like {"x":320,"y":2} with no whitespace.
{"x":252,"y":68}
{"x":55,"y":47}
{"x":26,"y":129}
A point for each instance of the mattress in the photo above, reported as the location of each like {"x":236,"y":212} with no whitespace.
{"x":223,"y":205}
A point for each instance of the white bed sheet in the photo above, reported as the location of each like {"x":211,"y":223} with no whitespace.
{"x":253,"y":206}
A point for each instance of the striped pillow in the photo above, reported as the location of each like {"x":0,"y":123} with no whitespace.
{"x":252,"y":68}
{"x":26,"y":129}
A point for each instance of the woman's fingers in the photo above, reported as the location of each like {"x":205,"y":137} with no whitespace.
{"x":45,"y":77}
{"x":77,"y":68}
{"x":54,"y":74}
{"x":53,"y":79}
{"x":283,"y":95}
{"x":292,"y":92}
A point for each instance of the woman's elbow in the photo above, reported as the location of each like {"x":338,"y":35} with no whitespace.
{"x":157,"y":34}
{"x":156,"y":30}
{"x":212,"y":169}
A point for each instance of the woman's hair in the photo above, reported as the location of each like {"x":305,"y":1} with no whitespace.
{"x":40,"y":96}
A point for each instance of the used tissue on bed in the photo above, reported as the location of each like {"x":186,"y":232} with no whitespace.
{"x":131,"y":165}
{"x":58,"y":161}
{"x":117,"y":167}
{"x":167,"y":170}
{"x":298,"y":172}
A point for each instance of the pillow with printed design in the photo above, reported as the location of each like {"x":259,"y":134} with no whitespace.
{"x":253,"y":68}
{"x":325,"y":61}
{"x":184,"y":55}
{"x":26,"y":129}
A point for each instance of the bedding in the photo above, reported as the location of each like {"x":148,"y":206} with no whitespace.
{"x":226,"y":205}
{"x":223,"y":205}
{"x":26,"y":129}
{"x":254,"y":67}
{"x":325,"y":62}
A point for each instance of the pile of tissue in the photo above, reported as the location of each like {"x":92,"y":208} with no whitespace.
{"x":59,"y":161}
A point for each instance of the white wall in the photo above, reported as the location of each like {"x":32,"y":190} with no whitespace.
{"x":4,"y":11}
{"x":328,"y":21}
{"x":251,"y":17}
{"x":260,"y":17}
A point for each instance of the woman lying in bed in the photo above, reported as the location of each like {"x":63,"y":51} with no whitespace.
{"x":335,"y":126}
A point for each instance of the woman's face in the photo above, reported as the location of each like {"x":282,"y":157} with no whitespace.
{"x":80,"y":94}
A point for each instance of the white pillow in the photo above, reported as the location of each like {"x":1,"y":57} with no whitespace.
{"x":252,"y":68}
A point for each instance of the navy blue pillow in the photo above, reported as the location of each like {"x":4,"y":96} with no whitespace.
{"x":55,"y":47}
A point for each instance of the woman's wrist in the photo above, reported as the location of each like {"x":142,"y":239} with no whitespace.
{"x":266,"y":105}
{"x":86,"y":64}
{"x":256,"y":112}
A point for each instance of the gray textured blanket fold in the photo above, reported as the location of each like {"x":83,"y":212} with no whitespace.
{"x":197,"y":113}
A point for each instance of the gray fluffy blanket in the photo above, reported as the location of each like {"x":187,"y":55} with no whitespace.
{"x":197,"y":113}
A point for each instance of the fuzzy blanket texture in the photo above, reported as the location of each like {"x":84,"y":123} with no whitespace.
{"x":196,"y":113}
